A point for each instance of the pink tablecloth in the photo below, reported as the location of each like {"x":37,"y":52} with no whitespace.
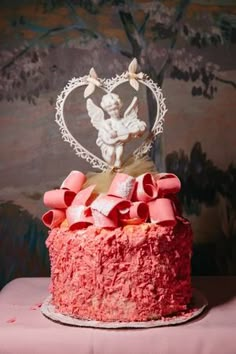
{"x":24,"y":330}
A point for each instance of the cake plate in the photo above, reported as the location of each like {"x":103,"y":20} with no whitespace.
{"x":197,"y":306}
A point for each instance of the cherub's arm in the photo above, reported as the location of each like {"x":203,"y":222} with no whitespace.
{"x":108,"y":128}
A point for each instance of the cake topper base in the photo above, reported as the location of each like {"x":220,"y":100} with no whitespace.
{"x":197,"y":306}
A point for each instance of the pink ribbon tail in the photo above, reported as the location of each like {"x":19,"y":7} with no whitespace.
{"x":103,"y":221}
{"x":84,"y":196}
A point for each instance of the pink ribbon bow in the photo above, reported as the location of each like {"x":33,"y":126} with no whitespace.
{"x":162,"y":209}
{"x":129,"y":200}
{"x":61,"y":199}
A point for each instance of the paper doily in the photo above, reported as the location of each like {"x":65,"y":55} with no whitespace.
{"x":198,"y":304}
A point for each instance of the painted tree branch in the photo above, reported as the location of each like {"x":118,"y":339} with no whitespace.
{"x":135,"y":34}
{"x":180,"y":11}
{"x":131,"y":32}
{"x":137,"y":42}
{"x":35,"y":41}
{"x":80,"y":27}
{"x":224,"y":81}
{"x":143,"y":26}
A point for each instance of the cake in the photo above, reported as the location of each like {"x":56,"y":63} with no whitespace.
{"x":119,"y":247}
{"x":121,"y":265}
{"x":137,"y":273}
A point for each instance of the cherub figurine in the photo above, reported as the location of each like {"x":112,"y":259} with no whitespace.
{"x":115,"y":131}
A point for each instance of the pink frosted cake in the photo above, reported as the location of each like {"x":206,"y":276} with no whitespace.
{"x":119,"y":247}
{"x":125,"y":256}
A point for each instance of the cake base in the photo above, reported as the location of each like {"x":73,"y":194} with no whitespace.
{"x":195,"y":308}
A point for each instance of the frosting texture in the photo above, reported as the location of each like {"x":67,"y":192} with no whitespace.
{"x":131,"y":273}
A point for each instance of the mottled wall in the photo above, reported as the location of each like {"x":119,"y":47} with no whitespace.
{"x":188,"y":47}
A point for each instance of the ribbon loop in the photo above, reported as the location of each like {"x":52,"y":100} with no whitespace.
{"x":58,"y":198}
{"x":139,"y":210}
{"x":161,"y":211}
{"x":74,"y":181}
{"x":53,"y":218}
{"x":129,"y":201}
{"x":105,"y":204}
{"x":122,"y":186}
{"x":83,"y":197}
{"x":137,"y":214}
{"x":145,"y":188}
{"x":103,"y":221}
{"x":167,"y":183}
{"x":79,"y":216}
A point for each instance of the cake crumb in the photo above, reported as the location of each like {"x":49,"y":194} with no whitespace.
{"x":11,"y":320}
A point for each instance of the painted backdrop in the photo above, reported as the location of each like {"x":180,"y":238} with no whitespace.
{"x":188,"y":47}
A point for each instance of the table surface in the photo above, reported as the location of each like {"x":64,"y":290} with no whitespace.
{"x":24,"y":330}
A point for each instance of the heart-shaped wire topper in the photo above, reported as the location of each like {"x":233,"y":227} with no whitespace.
{"x":117,"y":130}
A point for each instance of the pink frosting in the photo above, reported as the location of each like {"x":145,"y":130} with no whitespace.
{"x":124,"y":256}
{"x":130,"y":273}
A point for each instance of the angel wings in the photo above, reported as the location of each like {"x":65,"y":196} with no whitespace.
{"x":115,"y":131}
